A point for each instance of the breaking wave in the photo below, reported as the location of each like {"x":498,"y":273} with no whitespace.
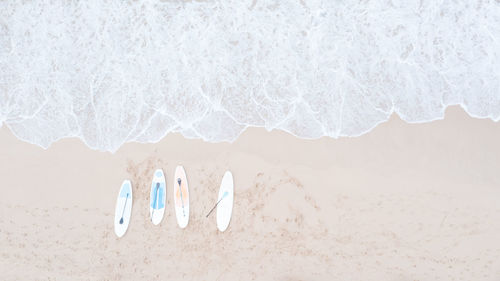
{"x":111,"y":72}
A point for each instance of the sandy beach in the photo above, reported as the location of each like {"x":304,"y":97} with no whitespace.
{"x":403,"y":202}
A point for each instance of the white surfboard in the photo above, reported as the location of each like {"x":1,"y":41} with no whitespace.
{"x":225,"y":199}
{"x":157,"y":197}
{"x":123,"y":208}
{"x":181,"y":197}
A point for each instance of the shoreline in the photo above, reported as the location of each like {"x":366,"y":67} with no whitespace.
{"x":393,"y":116}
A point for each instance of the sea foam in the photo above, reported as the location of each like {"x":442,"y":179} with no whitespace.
{"x":111,"y":72}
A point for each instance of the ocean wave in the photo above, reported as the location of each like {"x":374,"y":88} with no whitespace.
{"x":111,"y":72}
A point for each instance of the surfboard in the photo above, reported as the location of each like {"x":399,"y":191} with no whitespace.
{"x":123,"y":208}
{"x":181,"y":197}
{"x":157,"y":197}
{"x":225,"y":199}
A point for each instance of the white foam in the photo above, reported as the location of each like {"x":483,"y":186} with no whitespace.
{"x":111,"y":72}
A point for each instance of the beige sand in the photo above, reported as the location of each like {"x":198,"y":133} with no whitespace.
{"x":404,"y":202}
